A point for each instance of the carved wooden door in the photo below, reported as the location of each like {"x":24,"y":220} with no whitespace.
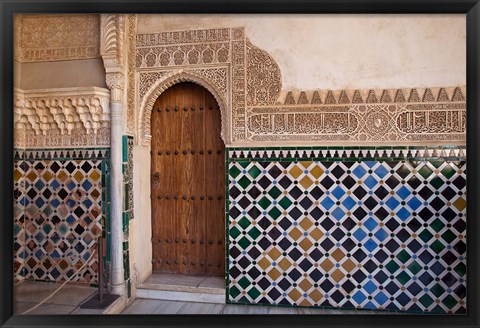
{"x":187,"y":183}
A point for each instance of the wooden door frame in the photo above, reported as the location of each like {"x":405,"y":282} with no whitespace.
{"x":155,"y":92}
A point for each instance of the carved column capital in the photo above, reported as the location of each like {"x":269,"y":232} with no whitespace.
{"x":116,"y":84}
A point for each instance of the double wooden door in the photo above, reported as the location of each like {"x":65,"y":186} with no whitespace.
{"x":187,"y":183}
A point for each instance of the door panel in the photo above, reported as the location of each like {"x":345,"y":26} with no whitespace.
{"x":188,"y":183}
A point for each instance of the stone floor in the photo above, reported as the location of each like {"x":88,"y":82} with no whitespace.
{"x":147,"y":306}
{"x":28,"y":294}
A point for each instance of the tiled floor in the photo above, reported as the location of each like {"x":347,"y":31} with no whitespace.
{"x":66,"y":301}
{"x":146,"y":306}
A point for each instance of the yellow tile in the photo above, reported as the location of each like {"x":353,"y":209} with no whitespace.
{"x":264,"y":263}
{"x":338,"y":255}
{"x":316,"y":234}
{"x":337,"y":275}
{"x":62,"y":175}
{"x":460,"y":203}
{"x":306,"y":244}
{"x":306,"y":164}
{"x":16,"y":175}
{"x":274,"y":274}
{"x":295,"y":171}
{"x":274,"y":253}
{"x":78,"y":176}
{"x":32,"y":176}
{"x":95,"y":175}
{"x":305,"y":302}
{"x":306,"y":182}
{"x":284,"y":264}
{"x":306,"y":223}
{"x":316,"y":296}
{"x":295,"y":233}
{"x":305,"y":285}
{"x":294,"y":295}
{"x":316,"y":171}
{"x":348,"y":265}
{"x":326,"y":265}
{"x":47,"y":176}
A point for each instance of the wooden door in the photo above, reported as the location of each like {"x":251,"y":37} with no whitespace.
{"x":187,"y":183}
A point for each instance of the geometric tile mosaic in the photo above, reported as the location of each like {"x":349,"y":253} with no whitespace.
{"x":58,"y":217}
{"x":364,"y":234}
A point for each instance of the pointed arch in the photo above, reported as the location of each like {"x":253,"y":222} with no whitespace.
{"x":165,"y":82}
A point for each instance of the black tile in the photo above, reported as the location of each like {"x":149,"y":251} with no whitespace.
{"x":284,"y":244}
{"x":370,"y":203}
{"x":234,"y":192}
{"x":381,"y":192}
{"x":425,"y":193}
{"x":359,"y":213}
{"x":359,"y":192}
{"x":348,"y":182}
{"x":295,"y":192}
{"x":381,"y":213}
{"x":327,"y":182}
{"x":392,"y":182}
{"x":254,"y":192}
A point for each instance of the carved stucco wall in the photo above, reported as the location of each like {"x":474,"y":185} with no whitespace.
{"x":56,"y":37}
{"x":247,"y":83}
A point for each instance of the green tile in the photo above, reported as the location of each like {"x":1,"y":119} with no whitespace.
{"x":244,"y":182}
{"x":449,"y":236}
{"x":244,"y":222}
{"x":449,"y":301}
{"x":234,"y":292}
{"x":437,"y":290}
{"x":425,"y":171}
{"x":254,"y":171}
{"x":253,"y":293}
{"x":403,"y":256}
{"x":437,"y":246}
{"x":285,"y":202}
{"x":274,"y":192}
{"x":234,"y":171}
{"x":448,"y":171}
{"x":425,"y":235}
{"x":426,"y":300}
{"x":244,"y":282}
{"x":392,"y":266}
{"x":254,"y":233}
{"x":460,"y":269}
{"x":244,"y":242}
{"x":264,"y":202}
{"x":414,"y":267}
{"x":437,"y":225}
{"x":437,"y":182}
{"x":403,"y":277}
{"x":274,"y":213}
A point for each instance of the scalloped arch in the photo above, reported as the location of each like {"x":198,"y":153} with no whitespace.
{"x":165,"y":82}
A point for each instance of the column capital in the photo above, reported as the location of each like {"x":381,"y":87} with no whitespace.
{"x":116,"y":84}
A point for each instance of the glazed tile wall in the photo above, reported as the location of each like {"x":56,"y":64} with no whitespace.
{"x":127,"y":215}
{"x":58,"y":213}
{"x":326,"y":227}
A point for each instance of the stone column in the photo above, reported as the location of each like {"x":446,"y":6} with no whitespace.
{"x":115,"y":84}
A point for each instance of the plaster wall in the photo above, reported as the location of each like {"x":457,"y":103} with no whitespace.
{"x":61,"y":74}
{"x":346,"y":51}
{"x":141,"y":229}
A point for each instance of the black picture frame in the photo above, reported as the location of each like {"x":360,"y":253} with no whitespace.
{"x":469,"y":7}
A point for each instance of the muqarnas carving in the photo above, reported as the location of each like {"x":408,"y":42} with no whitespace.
{"x":62,"y":117}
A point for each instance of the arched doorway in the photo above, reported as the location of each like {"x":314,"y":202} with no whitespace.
{"x":187,"y":182}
